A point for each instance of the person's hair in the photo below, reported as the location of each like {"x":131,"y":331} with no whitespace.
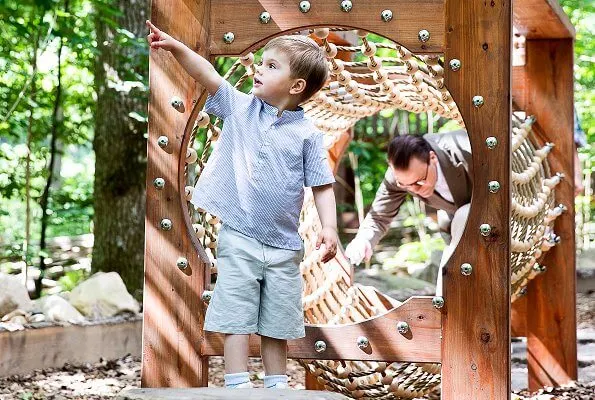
{"x":402,"y":148}
{"x":307,"y":61}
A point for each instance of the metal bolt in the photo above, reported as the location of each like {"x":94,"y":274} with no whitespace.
{"x":159,"y":183}
{"x":402,"y":327}
{"x":228,"y":37}
{"x":491,"y":142}
{"x":423,"y":35}
{"x":320,"y":346}
{"x":523,"y":291}
{"x":455,"y":64}
{"x":563,"y":207}
{"x":166,"y":224}
{"x":162,"y":141}
{"x":485,"y":229}
{"x":265,"y":17}
{"x":386,"y":15}
{"x":177,"y":103}
{"x":477,"y":101}
{"x":182,"y":263}
{"x":206,"y":296}
{"x":539,"y":268}
{"x":466,"y":269}
{"x":438,"y":302}
{"x":493,"y":186}
{"x":304,"y":6}
{"x":362,"y":342}
{"x":346,"y":5}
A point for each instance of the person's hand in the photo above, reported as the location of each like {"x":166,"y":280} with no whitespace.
{"x":160,"y":40}
{"x":358,"y":250}
{"x":328,"y":237}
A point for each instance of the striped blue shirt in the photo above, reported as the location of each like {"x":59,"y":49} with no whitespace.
{"x":254,"y":179}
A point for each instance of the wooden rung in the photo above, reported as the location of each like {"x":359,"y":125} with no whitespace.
{"x":420,"y":344}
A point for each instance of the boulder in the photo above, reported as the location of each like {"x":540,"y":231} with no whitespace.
{"x":55,"y":308}
{"x":103,"y":295}
{"x":13,"y":294}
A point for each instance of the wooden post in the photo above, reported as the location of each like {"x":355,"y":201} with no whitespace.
{"x":173,"y":310}
{"x":551,"y":301}
{"x":476,"y":323}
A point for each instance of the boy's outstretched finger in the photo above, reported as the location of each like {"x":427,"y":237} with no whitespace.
{"x":152,"y":27}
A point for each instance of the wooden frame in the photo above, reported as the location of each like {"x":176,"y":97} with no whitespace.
{"x":475,"y":323}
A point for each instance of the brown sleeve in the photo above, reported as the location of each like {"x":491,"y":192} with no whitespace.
{"x":385,"y":208}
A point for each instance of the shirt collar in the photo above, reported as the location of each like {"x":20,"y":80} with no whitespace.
{"x":287,"y":115}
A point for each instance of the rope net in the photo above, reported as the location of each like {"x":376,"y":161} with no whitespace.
{"x":384,"y":76}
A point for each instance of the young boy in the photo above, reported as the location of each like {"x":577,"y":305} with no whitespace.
{"x":254,"y":181}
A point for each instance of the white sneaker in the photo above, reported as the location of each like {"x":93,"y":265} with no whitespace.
{"x":245,"y":385}
{"x":279,"y":385}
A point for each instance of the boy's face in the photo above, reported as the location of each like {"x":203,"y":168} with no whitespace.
{"x":272,"y":80}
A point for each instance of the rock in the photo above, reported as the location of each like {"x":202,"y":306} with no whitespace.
{"x":13,"y":294}
{"x":11,"y":327}
{"x":55,"y":308}
{"x":15,"y":313}
{"x":103,"y":295}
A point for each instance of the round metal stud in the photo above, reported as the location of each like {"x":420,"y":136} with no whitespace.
{"x":362,"y":342}
{"x":386,"y":15}
{"x":455,"y":64}
{"x":206,"y":296}
{"x":485,"y":229}
{"x":438,"y":302}
{"x":402,"y":327}
{"x":159,"y":183}
{"x":423,"y":35}
{"x":346,"y":5}
{"x":177,"y":103}
{"x":228,"y":37}
{"x":165,"y":224}
{"x":265,"y":17}
{"x":182,"y":263}
{"x":304,"y":6}
{"x":477,"y":101}
{"x":539,"y":268}
{"x":493,"y":186}
{"x":523,"y":291}
{"x":491,"y":142}
{"x":563,"y":207}
{"x":162,"y":141}
{"x":320,"y":346}
{"x":466,"y":269}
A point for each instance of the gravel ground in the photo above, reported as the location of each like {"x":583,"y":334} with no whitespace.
{"x":104,"y":380}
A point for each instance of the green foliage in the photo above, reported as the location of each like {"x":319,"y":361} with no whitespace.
{"x":414,"y":252}
{"x":72,"y":278}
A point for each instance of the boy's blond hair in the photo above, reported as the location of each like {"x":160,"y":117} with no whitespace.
{"x":306,"y":61}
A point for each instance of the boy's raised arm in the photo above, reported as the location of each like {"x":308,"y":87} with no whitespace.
{"x":196,"y":66}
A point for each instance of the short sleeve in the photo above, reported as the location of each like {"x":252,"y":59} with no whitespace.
{"x":317,"y":171}
{"x":225,"y":101}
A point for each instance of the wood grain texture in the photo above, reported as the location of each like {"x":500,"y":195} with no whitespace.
{"x":422,"y":344}
{"x":409,"y":17}
{"x":546,"y":83}
{"x":518,"y":318}
{"x":476,"y":323}
{"x":173,"y":312}
{"x":542,"y":19}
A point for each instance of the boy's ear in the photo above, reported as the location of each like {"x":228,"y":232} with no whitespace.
{"x":299,"y":85}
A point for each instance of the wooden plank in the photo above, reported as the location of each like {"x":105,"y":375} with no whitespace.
{"x":53,"y":346}
{"x":242,"y":18}
{"x":212,"y":393}
{"x":542,"y":19}
{"x":173,"y":312}
{"x":551,"y":324}
{"x":518,"y":318}
{"x":476,"y":323}
{"x":421,"y":344}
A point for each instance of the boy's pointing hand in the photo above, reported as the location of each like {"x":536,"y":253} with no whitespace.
{"x":160,"y":40}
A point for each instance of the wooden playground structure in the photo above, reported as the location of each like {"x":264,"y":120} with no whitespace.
{"x":467,"y":331}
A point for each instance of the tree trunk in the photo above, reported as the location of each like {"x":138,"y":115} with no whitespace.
{"x":120,"y":147}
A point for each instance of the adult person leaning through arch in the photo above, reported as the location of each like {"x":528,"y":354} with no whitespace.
{"x":436,"y":168}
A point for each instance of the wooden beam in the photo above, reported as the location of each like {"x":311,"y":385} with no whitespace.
{"x":242,"y":18}
{"x":421,"y":344}
{"x":547,"y":93}
{"x":542,"y":19}
{"x":518,"y":318}
{"x":476,"y":323}
{"x":173,"y":312}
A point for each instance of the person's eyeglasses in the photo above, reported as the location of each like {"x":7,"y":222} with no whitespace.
{"x":420,"y":182}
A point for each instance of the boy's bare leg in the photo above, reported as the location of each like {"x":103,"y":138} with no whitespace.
{"x":274,"y":355}
{"x":236,"y":353}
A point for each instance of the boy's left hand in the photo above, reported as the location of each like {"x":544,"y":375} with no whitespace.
{"x":328,"y":236}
